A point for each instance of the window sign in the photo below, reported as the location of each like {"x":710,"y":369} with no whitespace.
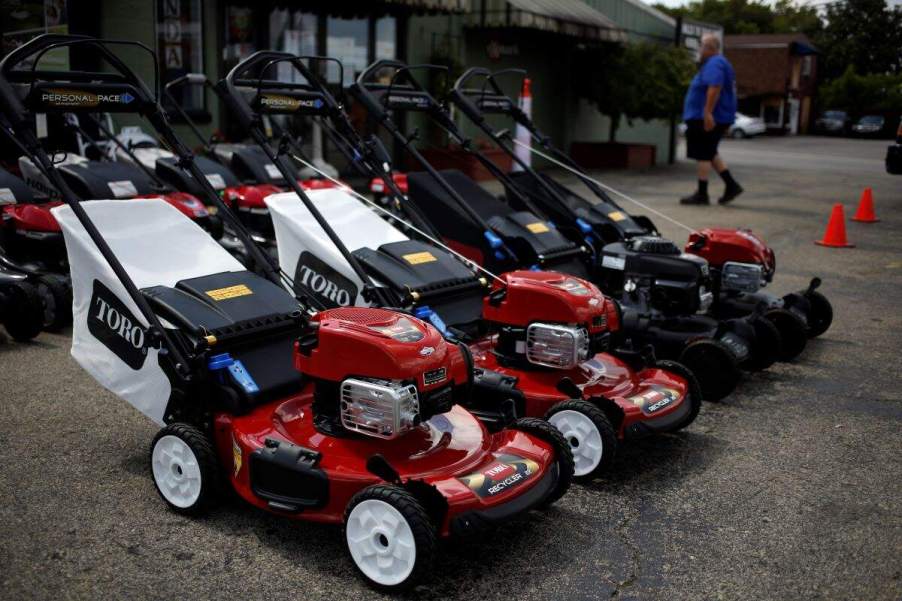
{"x":347,"y":40}
{"x":239,"y":35}
{"x":180,"y":48}
{"x":385,"y":38}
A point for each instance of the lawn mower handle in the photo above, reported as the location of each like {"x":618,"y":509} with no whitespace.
{"x":12,"y":105}
{"x":360,"y":90}
{"x":250,"y":120}
{"x":526,"y":121}
{"x":460,"y":96}
{"x":143,"y":102}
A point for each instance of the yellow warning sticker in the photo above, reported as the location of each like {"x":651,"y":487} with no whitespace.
{"x":236,"y":456}
{"x":221,"y":294}
{"x":616,"y":216}
{"x":420,"y":257}
{"x":537,"y":228}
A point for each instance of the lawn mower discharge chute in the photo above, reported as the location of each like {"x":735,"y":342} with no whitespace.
{"x":251,"y":385}
{"x":535,"y":338}
{"x":735,"y":256}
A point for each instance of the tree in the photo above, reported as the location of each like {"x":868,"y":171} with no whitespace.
{"x":878,"y":93}
{"x":636,"y":81}
{"x":751,"y":16}
{"x":864,"y":34}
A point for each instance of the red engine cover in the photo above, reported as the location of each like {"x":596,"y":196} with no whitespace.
{"x":249,"y":197}
{"x":188,"y":204}
{"x":548,"y":296}
{"x":720,"y":245}
{"x":317,"y":184}
{"x":377,"y":186}
{"x":376,"y":343}
{"x":32,"y":217}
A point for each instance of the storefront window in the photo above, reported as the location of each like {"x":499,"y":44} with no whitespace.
{"x":348,"y":41}
{"x":294,"y":32}
{"x":385,"y":38}
{"x":20,"y":21}
{"x":240,"y":43}
{"x":180,"y":49}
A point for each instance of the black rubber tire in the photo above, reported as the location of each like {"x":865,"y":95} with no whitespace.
{"x":820,"y":317}
{"x":544,"y":431}
{"x":26,"y":317}
{"x":768,"y":345}
{"x":211,"y":487}
{"x":609,"y":442}
{"x":58,"y":311}
{"x":424,"y":532}
{"x":695,"y":391}
{"x":793,"y":332}
{"x":715,"y":367}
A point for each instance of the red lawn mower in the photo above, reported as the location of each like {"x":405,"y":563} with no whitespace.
{"x":32,"y":252}
{"x":740,"y":261}
{"x":344,"y":416}
{"x":659,"y":289}
{"x":536,"y":339}
{"x":31,"y":239}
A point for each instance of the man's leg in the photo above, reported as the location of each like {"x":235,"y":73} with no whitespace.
{"x":733,"y":189}
{"x":700,"y":196}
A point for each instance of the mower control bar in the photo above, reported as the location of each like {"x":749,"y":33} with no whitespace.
{"x":373,"y":96}
{"x":461,"y":96}
{"x":274,"y":97}
{"x":15,"y":109}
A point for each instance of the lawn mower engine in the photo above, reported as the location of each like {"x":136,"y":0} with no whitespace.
{"x":548,"y":319}
{"x":672,"y":282}
{"x":661,"y":292}
{"x":741,"y":264}
{"x":410,"y":373}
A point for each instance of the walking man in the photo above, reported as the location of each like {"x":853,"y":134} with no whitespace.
{"x":708,"y":110}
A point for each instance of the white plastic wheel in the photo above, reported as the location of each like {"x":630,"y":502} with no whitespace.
{"x":176,"y":471}
{"x":584,"y":438}
{"x":381,"y":542}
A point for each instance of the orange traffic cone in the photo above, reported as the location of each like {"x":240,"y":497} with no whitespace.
{"x":836,"y":229}
{"x":865,"y":212}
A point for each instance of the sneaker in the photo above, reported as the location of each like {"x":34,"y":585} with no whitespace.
{"x":696,"y":198}
{"x":729,"y":194}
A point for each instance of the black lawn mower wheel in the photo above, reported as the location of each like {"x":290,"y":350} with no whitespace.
{"x":714,"y":365}
{"x":793,"y":332}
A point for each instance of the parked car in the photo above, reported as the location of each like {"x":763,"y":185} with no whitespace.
{"x":743,"y":127}
{"x":869,"y":125}
{"x":746,"y":127}
{"x":833,"y":122}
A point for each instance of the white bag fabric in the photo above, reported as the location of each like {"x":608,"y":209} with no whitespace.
{"x":297,"y":232}
{"x":157,"y":245}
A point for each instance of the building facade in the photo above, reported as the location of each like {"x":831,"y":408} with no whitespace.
{"x":540,"y":36}
{"x":776,"y":77}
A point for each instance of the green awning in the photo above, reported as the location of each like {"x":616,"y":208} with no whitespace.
{"x":565,"y":17}
{"x":448,"y":6}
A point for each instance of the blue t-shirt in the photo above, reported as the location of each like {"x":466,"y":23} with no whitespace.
{"x":716,"y":71}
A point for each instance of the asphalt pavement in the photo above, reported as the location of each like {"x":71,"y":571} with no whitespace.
{"x":790,"y":489}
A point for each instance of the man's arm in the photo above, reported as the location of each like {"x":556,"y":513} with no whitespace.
{"x":710,"y":102}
